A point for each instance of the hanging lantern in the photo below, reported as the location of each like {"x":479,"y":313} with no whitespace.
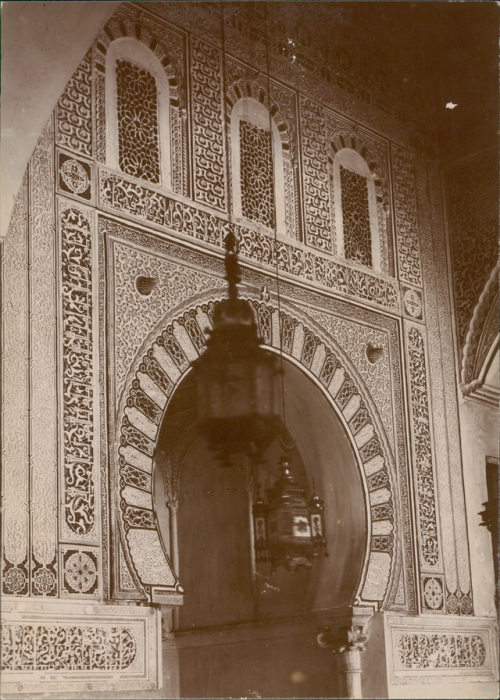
{"x":288,"y":531}
{"x":237,"y":391}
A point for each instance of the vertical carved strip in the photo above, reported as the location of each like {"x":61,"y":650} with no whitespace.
{"x":78,"y":479}
{"x":291,"y":217}
{"x":99,"y":112}
{"x":209,"y":175}
{"x":315,"y":173}
{"x":74,"y":111}
{"x":429,"y":540}
{"x":15,"y":481}
{"x":185,"y":153}
{"x":444,"y":384}
{"x":176,"y":150}
{"x":43,"y":423}
{"x":405,"y":209}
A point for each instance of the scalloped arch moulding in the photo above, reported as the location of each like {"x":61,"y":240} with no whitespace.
{"x":481,"y":341}
{"x":160,"y":366}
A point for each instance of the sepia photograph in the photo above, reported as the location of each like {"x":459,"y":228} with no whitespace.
{"x":249,"y":349}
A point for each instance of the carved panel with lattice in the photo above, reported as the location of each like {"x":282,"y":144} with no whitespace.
{"x":356,"y":217}
{"x":137,"y":110}
{"x":256,"y":172}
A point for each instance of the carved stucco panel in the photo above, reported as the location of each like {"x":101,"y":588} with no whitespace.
{"x":443,"y":385}
{"x":43,"y":367}
{"x":76,"y":647}
{"x":15,"y":460}
{"x":136,"y":314}
{"x":354,"y":338}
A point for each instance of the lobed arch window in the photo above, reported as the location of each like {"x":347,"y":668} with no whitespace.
{"x":257,"y":166}
{"x":356,"y":211}
{"x":137,"y":113}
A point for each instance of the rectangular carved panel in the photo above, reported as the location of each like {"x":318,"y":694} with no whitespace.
{"x":405,"y":209}
{"x":43,"y":385}
{"x":209,"y":169}
{"x":15,"y":404}
{"x":74,"y":111}
{"x":79,"y":520}
{"x":315,"y":174}
{"x":71,"y":647}
{"x":146,"y":204}
{"x":423,"y":456}
{"x":422,"y":650}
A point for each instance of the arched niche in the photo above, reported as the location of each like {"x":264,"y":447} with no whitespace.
{"x":211,"y":512}
{"x":251,"y":110}
{"x":134,"y":52}
{"x":155,"y":377}
{"x":352,"y":161}
{"x":150,"y":45}
{"x":479,"y":371}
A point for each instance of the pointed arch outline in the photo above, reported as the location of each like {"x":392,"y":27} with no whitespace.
{"x":156,"y":373}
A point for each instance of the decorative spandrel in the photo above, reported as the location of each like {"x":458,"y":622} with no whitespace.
{"x":356,"y":216}
{"x":256,"y":162}
{"x":137,"y":110}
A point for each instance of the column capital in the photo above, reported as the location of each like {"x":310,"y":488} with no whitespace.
{"x":347,"y":634}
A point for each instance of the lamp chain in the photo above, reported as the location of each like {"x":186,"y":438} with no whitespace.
{"x":273,"y":160}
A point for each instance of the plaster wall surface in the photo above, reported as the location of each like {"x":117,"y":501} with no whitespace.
{"x":479,"y":434}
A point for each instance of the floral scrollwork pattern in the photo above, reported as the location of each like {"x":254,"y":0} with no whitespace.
{"x":429,"y":543}
{"x":52,"y":647}
{"x":78,"y":393}
{"x":440,"y":651}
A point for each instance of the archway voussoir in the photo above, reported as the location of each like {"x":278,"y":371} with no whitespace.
{"x":151,"y":389}
{"x":137,"y":497}
{"x":337,"y":381}
{"x":382,"y":527}
{"x":185,"y":341}
{"x":298,"y":341}
{"x":136,"y":458}
{"x":275,"y":324}
{"x":364,"y":435}
{"x":375,"y":464}
{"x":318,"y":359}
{"x":352,"y":406}
{"x":141,"y":422}
{"x":380,"y":496}
{"x":166,"y":363}
{"x":203,"y":321}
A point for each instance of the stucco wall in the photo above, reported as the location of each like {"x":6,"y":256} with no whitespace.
{"x":42,"y":44}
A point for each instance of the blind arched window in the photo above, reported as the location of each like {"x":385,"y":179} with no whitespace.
{"x":257,"y":166}
{"x":356,"y":213}
{"x":137,"y":113}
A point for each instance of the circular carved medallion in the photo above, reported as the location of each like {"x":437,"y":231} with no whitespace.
{"x":74,"y":176}
{"x":452,"y":604}
{"x":80,"y":572}
{"x":44,"y":581}
{"x":433,"y":594}
{"x":466,"y":605}
{"x":15,"y":580}
{"x":413,"y":303}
